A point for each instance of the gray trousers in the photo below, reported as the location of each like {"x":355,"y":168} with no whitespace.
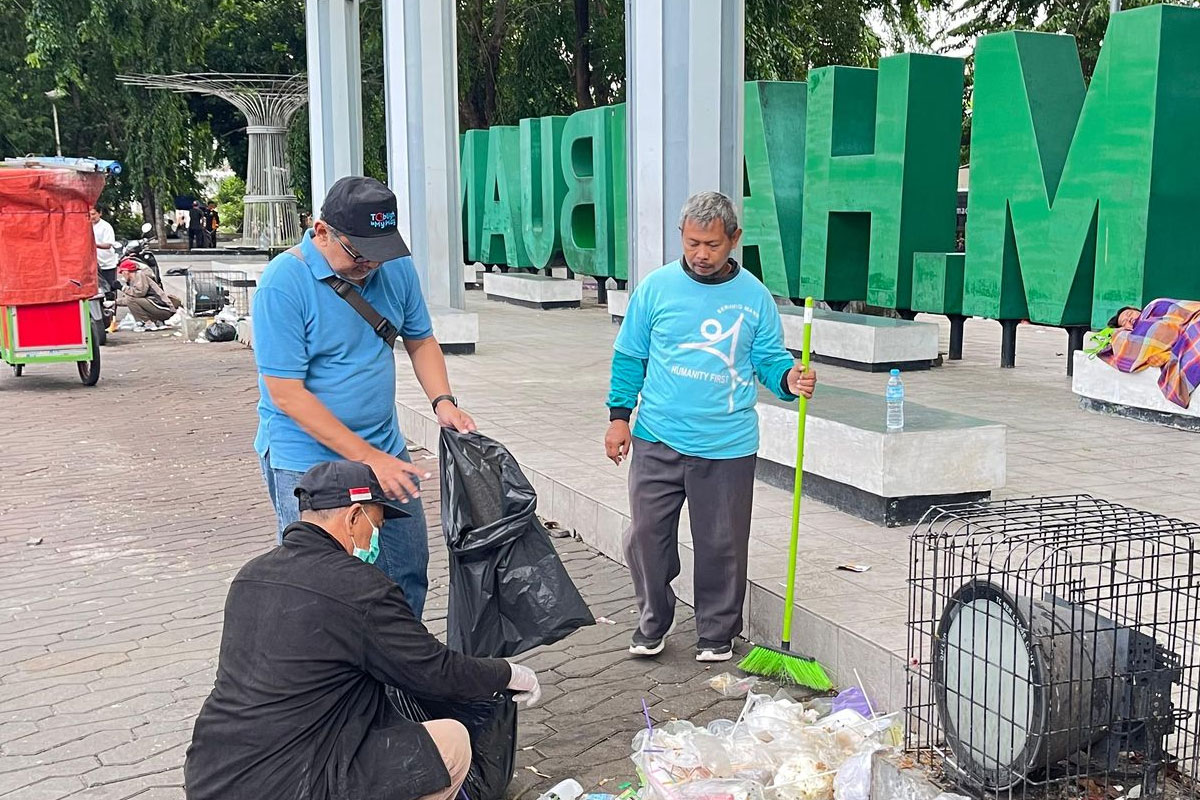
{"x":720,"y":495}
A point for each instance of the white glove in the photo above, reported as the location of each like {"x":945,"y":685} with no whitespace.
{"x":524,"y":682}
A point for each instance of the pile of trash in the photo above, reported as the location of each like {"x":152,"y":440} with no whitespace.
{"x":777,"y":749}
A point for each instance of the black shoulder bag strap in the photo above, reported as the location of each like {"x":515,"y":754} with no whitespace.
{"x":382,"y":326}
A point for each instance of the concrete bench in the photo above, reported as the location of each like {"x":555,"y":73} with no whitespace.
{"x":853,"y":464}
{"x":1133,"y":395}
{"x":532,"y":291}
{"x":859,"y":341}
{"x":618,"y":304}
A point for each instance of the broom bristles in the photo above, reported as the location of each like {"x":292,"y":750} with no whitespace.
{"x":786,"y":667}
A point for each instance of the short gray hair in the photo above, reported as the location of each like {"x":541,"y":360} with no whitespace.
{"x":704,"y":207}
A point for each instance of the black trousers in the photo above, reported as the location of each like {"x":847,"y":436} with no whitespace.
{"x":720,"y":496}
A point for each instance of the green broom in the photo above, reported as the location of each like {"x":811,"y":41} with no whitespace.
{"x":779,"y":663}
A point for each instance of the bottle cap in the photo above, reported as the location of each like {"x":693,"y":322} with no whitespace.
{"x":895,"y":372}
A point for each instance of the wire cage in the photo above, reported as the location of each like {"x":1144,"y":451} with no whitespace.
{"x":209,"y":291}
{"x":1052,"y":649}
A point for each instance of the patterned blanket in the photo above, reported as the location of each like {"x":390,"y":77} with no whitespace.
{"x":1167,"y":335}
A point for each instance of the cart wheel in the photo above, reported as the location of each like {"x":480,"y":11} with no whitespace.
{"x":18,"y":370}
{"x":101,"y":334}
{"x":89,"y":371}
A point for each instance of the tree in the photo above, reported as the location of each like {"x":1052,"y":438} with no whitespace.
{"x":81,"y":47}
{"x":1086,"y":20}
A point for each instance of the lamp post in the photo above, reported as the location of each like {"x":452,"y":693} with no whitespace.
{"x":55,"y":95}
{"x":1114,"y":6}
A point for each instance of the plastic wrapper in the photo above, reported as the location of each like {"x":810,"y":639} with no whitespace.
{"x":853,"y":779}
{"x":729,"y":685}
{"x":509,"y":591}
{"x":789,"y":750}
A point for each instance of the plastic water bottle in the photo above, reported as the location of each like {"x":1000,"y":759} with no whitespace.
{"x":895,"y":402}
{"x":563,"y":790}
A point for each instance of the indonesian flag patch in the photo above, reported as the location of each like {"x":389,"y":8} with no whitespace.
{"x":360,"y":495}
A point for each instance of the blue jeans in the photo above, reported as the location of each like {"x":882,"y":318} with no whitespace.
{"x":403,"y":543}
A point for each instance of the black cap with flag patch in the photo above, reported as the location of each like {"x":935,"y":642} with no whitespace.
{"x":340,"y":484}
{"x":364,"y":211}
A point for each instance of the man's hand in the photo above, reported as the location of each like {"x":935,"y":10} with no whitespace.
{"x":395,"y":475}
{"x":451,"y":416}
{"x":618,"y":441}
{"x":524,"y":682}
{"x":802,"y":383}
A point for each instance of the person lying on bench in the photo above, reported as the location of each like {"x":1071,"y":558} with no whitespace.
{"x":313,"y":637}
{"x":1165,"y":334}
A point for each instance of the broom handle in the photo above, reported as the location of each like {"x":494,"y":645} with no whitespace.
{"x":799,"y":483}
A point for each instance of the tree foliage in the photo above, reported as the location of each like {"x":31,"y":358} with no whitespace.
{"x":81,"y":46}
{"x":1086,"y":20}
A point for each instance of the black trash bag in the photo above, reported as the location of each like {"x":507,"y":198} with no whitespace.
{"x":509,"y":591}
{"x":220,"y":332}
{"x":492,"y":724}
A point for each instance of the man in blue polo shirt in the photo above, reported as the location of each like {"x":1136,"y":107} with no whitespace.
{"x":327,"y":378}
{"x":697,"y":333}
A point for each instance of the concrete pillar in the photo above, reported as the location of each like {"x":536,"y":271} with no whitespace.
{"x":334,"y":93}
{"x":421,"y":98}
{"x":685,"y":65}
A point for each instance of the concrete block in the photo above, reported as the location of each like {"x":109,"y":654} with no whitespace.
{"x":1126,"y":394}
{"x":618,"y":303}
{"x":859,"y":341}
{"x":889,"y":478}
{"x":456,"y":331}
{"x":938,"y":452}
{"x":245,"y":332}
{"x":473,"y":275}
{"x":533,"y":291}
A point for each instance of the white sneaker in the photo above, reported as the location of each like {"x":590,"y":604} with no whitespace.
{"x":642,"y":646}
{"x":714,"y":651}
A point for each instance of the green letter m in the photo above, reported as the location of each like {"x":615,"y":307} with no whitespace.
{"x":1080,"y":205}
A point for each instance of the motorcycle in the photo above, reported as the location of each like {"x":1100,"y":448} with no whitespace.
{"x":138,"y":250}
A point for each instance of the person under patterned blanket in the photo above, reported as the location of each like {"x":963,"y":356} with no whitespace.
{"x":1166,"y":334}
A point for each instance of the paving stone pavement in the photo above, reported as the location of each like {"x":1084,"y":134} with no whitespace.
{"x":127,"y":509}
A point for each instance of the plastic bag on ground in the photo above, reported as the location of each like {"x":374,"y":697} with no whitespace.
{"x":853,"y":779}
{"x":509,"y":591}
{"x":220,"y":332}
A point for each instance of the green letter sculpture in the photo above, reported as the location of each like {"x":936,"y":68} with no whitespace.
{"x":542,"y":187}
{"x":774,"y":192}
{"x":502,"y":239}
{"x":880,"y":177}
{"x":472,"y":165}
{"x":620,"y":192}
{"x":586,"y":221}
{"x":1079,"y":206}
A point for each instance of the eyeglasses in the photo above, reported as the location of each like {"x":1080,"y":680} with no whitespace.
{"x":357,"y":257}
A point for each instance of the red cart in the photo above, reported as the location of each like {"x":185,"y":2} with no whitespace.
{"x":49,"y":309}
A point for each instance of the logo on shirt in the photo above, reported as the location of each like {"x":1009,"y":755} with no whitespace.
{"x":722,"y":343}
{"x":383,"y":219}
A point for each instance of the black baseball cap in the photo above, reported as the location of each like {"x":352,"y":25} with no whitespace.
{"x":340,"y":484}
{"x":364,"y":211}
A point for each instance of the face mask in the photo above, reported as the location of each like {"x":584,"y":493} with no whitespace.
{"x":371,"y":553}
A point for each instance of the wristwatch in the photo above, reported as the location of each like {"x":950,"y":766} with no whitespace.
{"x":441,"y":397}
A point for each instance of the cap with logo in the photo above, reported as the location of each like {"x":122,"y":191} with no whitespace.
{"x":364,"y":211}
{"x":340,"y":484}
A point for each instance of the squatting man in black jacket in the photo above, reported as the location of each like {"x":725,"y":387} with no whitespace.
{"x":313,"y":636}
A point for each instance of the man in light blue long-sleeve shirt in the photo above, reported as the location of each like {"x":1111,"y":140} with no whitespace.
{"x":696,"y":334}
